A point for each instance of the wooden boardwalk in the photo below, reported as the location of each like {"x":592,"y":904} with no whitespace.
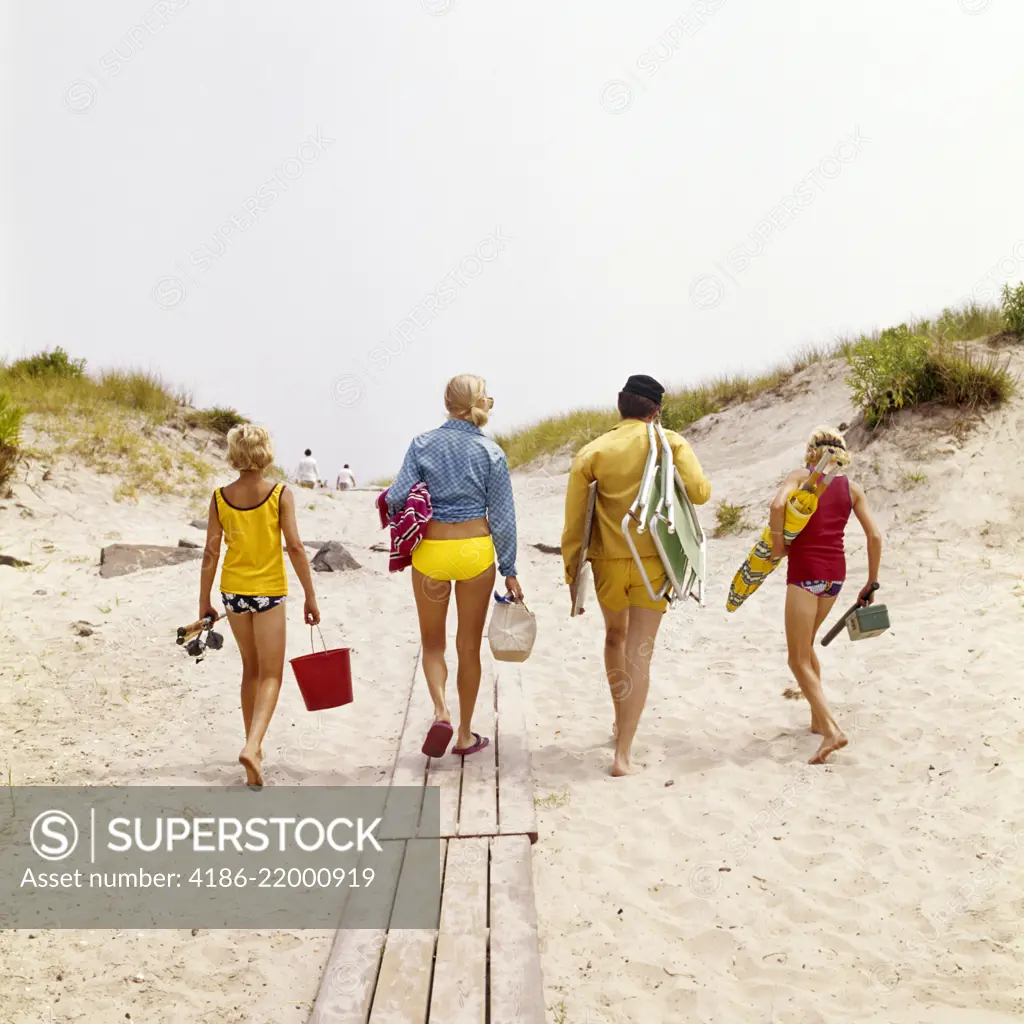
{"x":481,"y":964}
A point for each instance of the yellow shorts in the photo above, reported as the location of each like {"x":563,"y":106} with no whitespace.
{"x":453,"y":559}
{"x":619,"y":585}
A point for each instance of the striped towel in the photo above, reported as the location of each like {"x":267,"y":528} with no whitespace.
{"x":407,"y":526}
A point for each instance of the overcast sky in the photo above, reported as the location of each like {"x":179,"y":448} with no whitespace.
{"x":318,"y":212}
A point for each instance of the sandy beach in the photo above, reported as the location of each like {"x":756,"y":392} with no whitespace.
{"x":727,"y":881}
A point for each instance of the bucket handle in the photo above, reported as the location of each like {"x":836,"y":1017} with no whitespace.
{"x":311,"y":642}
{"x":509,"y":599}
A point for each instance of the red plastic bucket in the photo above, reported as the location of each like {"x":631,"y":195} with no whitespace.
{"x":324,"y":677}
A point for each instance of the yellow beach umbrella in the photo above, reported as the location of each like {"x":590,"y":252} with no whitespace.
{"x":800,"y":506}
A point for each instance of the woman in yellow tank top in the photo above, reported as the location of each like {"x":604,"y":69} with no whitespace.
{"x":252,"y":515}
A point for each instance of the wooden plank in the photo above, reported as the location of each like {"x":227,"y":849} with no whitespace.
{"x":350,"y":978}
{"x":478,"y":810}
{"x":517,"y":812}
{"x":411,"y":765}
{"x":403,"y":989}
{"x":517,"y":988}
{"x":459,"y":993}
{"x":406,"y":969}
{"x":464,"y":899}
{"x":446,"y":774}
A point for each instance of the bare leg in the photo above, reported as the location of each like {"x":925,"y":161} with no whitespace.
{"x":616,"y":625}
{"x":801,"y":614}
{"x":629,"y":644}
{"x":824,"y":607}
{"x":472,"y":600}
{"x":269,"y":631}
{"x":432,"y":598}
{"x":241,"y":629}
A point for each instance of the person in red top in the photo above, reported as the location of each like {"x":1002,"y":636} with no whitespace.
{"x":816,"y":571}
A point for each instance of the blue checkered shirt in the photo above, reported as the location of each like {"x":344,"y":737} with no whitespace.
{"x":467,"y":476}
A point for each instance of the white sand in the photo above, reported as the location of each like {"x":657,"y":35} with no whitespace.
{"x":836,"y":876}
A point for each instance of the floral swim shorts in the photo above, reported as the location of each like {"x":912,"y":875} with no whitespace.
{"x":821,"y":588}
{"x":242,"y":603}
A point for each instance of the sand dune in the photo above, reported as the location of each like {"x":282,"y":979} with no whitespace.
{"x":727,"y":882}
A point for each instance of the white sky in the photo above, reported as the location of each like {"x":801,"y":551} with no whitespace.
{"x":619,"y":185}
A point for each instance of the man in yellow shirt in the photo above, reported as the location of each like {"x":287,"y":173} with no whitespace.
{"x":616,"y":461}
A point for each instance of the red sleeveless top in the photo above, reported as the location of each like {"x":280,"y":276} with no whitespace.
{"x":817,"y":553}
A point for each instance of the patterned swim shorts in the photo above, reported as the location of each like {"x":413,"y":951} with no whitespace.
{"x":242,"y":603}
{"x":821,"y":588}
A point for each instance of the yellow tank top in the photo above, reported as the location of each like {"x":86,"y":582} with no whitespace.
{"x":254,"y":562}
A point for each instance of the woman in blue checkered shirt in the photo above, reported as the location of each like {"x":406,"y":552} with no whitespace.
{"x":474,"y":518}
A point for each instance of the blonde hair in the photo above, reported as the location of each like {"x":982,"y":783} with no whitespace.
{"x":249,"y":447}
{"x":826,"y":439}
{"x":465,"y":398}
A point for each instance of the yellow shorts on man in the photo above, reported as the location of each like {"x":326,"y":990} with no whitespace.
{"x":619,"y":585}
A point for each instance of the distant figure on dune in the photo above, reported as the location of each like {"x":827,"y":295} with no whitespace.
{"x":470,"y":489}
{"x":816,"y":571}
{"x":616,"y":461}
{"x":308,"y":474}
{"x":346,"y":478}
{"x":252,"y":514}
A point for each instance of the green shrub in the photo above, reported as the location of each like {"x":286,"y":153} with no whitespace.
{"x":729,"y":519}
{"x":885,"y":372}
{"x":48,"y":364}
{"x":11,"y":417}
{"x":218,"y":419}
{"x":1013,"y":309}
{"x":10,"y":436}
{"x":900,"y":369}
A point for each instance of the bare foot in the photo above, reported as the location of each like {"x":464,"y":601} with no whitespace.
{"x":253,"y":775}
{"x":620,"y":768}
{"x":817,"y":729}
{"x":829,"y":745}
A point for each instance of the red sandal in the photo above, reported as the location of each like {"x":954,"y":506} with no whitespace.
{"x":481,"y":742}
{"x":438,"y":738}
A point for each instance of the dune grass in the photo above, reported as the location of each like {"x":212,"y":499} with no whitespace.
{"x":946,"y":372}
{"x":729,"y":519}
{"x":1013,"y":310}
{"x":132,"y":390}
{"x":11,"y":416}
{"x":967,"y":323}
{"x":109,"y":421}
{"x":680,"y":409}
{"x":119,"y":444}
{"x":217,"y":419}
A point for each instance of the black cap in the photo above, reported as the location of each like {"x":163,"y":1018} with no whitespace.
{"x":646,"y":387}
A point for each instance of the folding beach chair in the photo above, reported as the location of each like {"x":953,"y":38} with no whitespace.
{"x":663,"y":506}
{"x":676,"y":530}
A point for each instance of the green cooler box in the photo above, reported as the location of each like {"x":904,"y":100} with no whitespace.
{"x":868,"y":621}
